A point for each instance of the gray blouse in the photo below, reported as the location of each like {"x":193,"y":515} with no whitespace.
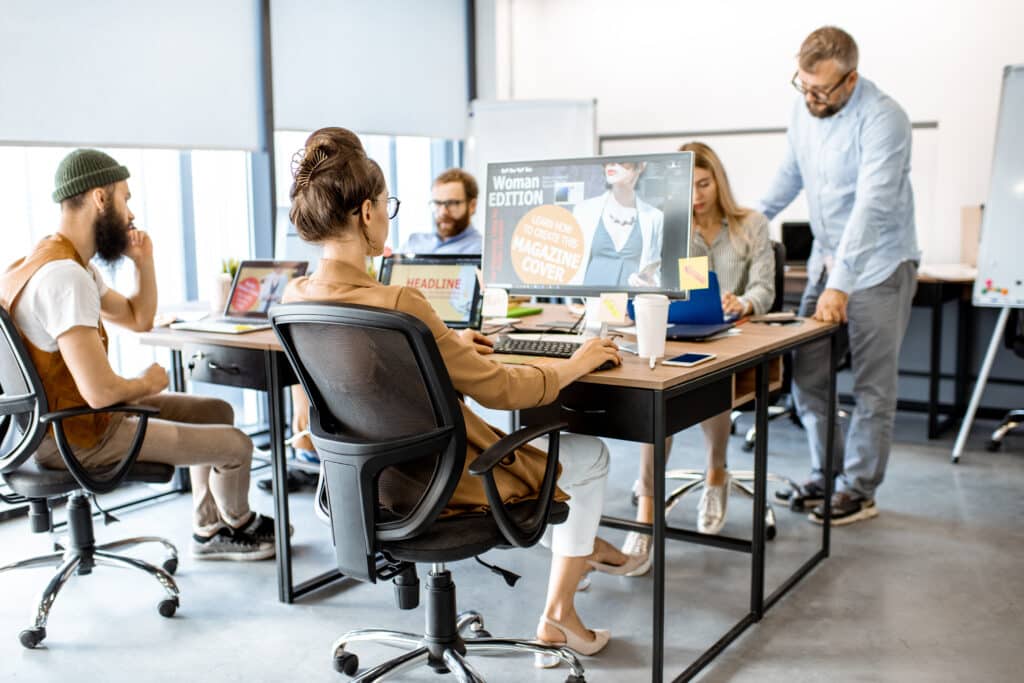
{"x":747,"y":271}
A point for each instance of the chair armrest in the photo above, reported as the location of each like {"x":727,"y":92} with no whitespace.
{"x":67,"y":453}
{"x":136,"y":409}
{"x":528,"y":534}
{"x":504,"y":447}
{"x":17,"y":404}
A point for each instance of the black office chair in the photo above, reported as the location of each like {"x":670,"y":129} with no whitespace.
{"x":742,"y":480}
{"x":1013,"y":337}
{"x":24,"y":419}
{"x":387,"y":425}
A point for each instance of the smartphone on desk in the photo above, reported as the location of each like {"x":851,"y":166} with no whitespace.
{"x":688,"y":360}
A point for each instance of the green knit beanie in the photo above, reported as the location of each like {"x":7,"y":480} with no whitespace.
{"x":83,"y":170}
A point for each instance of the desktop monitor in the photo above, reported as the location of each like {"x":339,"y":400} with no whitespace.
{"x":798,"y":240}
{"x":583,"y":227}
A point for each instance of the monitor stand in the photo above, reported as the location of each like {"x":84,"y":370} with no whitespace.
{"x":592,"y":324}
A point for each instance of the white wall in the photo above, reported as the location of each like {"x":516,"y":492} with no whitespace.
{"x":661,"y":65}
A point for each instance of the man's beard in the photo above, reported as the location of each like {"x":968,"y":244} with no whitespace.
{"x":111,"y":236}
{"x":458,"y":225}
{"x":829,"y":110}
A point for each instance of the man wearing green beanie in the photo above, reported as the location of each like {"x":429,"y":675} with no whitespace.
{"x":59,"y":302}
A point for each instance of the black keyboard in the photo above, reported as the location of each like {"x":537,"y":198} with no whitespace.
{"x":534,"y":347}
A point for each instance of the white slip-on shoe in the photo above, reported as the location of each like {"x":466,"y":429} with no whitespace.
{"x":637,"y":544}
{"x":712,"y":507}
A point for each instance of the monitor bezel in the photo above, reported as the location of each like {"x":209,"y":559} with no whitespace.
{"x":580,"y":290}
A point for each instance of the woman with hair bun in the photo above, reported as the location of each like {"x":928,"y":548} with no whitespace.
{"x":340,"y":201}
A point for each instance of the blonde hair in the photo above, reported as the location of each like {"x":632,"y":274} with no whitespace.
{"x":736,"y":215}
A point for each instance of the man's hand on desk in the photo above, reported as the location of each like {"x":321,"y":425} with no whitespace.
{"x":482,"y":344}
{"x":831,"y":306}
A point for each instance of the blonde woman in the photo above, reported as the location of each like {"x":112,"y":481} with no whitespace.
{"x":735,"y":240}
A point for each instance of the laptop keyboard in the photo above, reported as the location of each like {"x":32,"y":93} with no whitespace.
{"x":535,"y":347}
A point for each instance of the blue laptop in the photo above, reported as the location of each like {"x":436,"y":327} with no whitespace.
{"x":698,"y":317}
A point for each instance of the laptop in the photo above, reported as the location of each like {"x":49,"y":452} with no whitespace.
{"x":698,"y":317}
{"x":257,"y":286}
{"x":450,"y":282}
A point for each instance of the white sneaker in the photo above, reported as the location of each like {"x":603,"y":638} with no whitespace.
{"x":712,"y":506}
{"x":638,"y":544}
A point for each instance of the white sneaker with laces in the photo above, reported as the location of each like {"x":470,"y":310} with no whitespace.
{"x":638,"y":544}
{"x":712,"y":506}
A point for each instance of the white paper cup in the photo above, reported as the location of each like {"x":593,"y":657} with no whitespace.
{"x":651,"y":321}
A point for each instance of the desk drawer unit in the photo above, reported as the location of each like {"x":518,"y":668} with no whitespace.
{"x":627,"y":413}
{"x":243,"y":368}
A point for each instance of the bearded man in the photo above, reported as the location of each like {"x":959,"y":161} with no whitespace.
{"x":59,"y":302}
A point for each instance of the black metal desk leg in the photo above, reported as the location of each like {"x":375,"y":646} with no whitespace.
{"x":935,"y":366}
{"x":830,"y":443}
{"x":279,"y":478}
{"x":658,"y":630}
{"x":760,"y":485}
{"x":964,"y":355}
{"x":177,"y":371}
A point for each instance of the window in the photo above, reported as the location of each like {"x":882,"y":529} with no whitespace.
{"x":409,"y":163}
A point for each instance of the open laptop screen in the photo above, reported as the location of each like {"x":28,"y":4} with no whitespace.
{"x":258,"y":285}
{"x":449,"y":282}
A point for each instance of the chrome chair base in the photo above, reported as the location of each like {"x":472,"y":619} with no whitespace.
{"x":1013,"y":420}
{"x":452,"y":658}
{"x":81,"y":561}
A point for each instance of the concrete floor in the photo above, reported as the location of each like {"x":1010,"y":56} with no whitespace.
{"x":931,"y":590}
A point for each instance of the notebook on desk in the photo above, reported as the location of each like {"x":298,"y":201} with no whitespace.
{"x":257,"y":286}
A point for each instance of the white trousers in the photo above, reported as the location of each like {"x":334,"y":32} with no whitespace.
{"x":584,"y":461}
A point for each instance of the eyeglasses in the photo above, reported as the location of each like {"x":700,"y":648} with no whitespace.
{"x":393,"y":203}
{"x":821,"y":96}
{"x":449,"y":204}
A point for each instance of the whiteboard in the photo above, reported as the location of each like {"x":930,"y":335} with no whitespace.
{"x":751,"y":159}
{"x":528,"y":130}
{"x":1000,"y":272}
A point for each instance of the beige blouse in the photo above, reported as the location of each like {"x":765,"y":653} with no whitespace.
{"x":491,"y":383}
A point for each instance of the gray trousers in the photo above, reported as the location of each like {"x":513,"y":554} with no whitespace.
{"x":878,"y":319}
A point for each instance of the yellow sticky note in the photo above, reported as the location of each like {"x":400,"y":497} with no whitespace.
{"x":613,"y":307}
{"x":693,"y":273}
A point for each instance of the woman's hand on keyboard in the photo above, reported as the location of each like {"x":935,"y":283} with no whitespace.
{"x":482,"y":344}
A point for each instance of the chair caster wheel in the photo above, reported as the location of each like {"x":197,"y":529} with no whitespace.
{"x":171,"y":565}
{"x":992,"y":446}
{"x":573,"y":678}
{"x":769,"y":533}
{"x":31,"y":637}
{"x":346,"y":663}
{"x":168,"y":607}
{"x":747,"y":446}
{"x":481,"y":633}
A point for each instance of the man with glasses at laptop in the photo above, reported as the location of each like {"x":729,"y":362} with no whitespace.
{"x":453,"y":200}
{"x":59,"y":303}
{"x":849,"y":150}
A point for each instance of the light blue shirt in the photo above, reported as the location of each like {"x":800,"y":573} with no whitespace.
{"x":469,"y":241}
{"x":855,"y":168}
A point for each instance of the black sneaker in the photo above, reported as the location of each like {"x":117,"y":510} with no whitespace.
{"x":261,"y":528}
{"x":231,"y":544}
{"x":847,"y":508}
{"x":800,"y":497}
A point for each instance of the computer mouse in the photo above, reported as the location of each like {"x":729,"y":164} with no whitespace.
{"x":607,"y":365}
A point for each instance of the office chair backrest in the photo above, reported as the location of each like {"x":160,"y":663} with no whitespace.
{"x":22,"y":398}
{"x":779,"y":251}
{"x":384,"y":418}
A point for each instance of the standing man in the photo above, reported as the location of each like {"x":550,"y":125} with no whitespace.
{"x":453,"y":198}
{"x":849,"y":149}
{"x":59,"y":303}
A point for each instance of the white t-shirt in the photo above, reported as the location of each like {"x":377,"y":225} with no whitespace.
{"x":61,"y":295}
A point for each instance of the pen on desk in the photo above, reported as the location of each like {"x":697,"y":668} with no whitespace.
{"x":652,"y":362}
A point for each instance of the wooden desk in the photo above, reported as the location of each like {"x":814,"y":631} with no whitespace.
{"x":636,"y":403}
{"x":933,"y":293}
{"x":631,"y":402}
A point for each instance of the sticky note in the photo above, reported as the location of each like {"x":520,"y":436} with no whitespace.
{"x":693,"y":273}
{"x":613,"y":307}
